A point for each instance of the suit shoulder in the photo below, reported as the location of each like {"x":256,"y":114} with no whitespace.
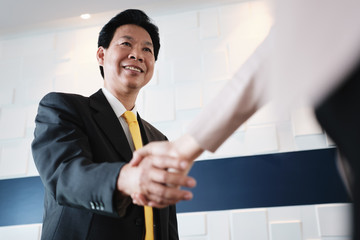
{"x":59,"y":96}
{"x":60,"y":100}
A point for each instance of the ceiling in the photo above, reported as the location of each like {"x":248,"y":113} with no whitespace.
{"x":24,"y":16}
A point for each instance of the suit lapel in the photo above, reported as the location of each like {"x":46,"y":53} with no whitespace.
{"x":147,"y":134}
{"x":144,"y":134}
{"x":109,"y":124}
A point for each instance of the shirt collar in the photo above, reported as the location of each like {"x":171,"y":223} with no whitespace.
{"x":115,"y":104}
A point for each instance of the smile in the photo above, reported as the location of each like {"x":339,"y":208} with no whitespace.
{"x":134,"y":68}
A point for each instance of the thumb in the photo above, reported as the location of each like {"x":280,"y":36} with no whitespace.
{"x":137,"y":158}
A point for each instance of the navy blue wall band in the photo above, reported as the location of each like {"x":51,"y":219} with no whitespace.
{"x":21,"y":201}
{"x":281,"y":179}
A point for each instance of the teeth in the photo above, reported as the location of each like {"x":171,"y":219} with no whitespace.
{"x":133,"y":68}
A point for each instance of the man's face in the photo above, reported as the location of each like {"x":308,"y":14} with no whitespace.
{"x":129,"y":60}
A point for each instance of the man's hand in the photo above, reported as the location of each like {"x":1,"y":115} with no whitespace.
{"x":175,"y":157}
{"x":150,"y":178}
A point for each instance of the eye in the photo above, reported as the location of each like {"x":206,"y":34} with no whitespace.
{"x":126,"y":44}
{"x":148,"y":50}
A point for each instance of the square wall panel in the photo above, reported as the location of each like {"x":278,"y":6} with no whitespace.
{"x":188,"y":96}
{"x":10,"y":70}
{"x":304,"y":122}
{"x":218,"y":225}
{"x":285,"y":230}
{"x":234,"y":146}
{"x":261,"y":139}
{"x":216,"y":65}
{"x":177,"y":22}
{"x":286,"y":213}
{"x":308,"y":142}
{"x":12,"y":122}
{"x":267,"y":114}
{"x":6,"y":96}
{"x":175,"y":45}
{"x":310,"y":225}
{"x":14,"y":159}
{"x":334,"y":220}
{"x":249,"y":224}
{"x":23,"y":232}
{"x":187,"y":69}
{"x":209,"y":23}
{"x":159,"y":104}
{"x":192,"y":224}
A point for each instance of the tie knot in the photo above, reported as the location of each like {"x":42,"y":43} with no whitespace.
{"x":129,"y":117}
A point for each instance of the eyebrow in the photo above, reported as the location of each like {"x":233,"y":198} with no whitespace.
{"x":132,"y":39}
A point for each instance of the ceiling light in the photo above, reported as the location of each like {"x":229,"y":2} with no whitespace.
{"x":85,"y":16}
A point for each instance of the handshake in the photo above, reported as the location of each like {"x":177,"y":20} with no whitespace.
{"x":158,"y":170}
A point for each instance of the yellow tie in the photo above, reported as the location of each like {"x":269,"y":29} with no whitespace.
{"x":136,"y":136}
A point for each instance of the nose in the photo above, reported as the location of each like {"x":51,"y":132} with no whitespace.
{"x":136,"y":55}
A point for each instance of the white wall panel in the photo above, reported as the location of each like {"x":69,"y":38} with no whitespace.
{"x":304,"y":122}
{"x":267,"y":114}
{"x":11,"y":71}
{"x":334,"y":220}
{"x":309,"y":222}
{"x":209,"y":23}
{"x":159,"y":104}
{"x":14,"y":159}
{"x":290,"y":213}
{"x":6,"y":96}
{"x":23,"y":232}
{"x":12,"y":122}
{"x":216,"y":65}
{"x":233,"y":146}
{"x":249,"y":224}
{"x":188,"y":96}
{"x":192,"y":224}
{"x":177,"y":22}
{"x":187,"y":69}
{"x":308,"y":142}
{"x":33,"y":93}
{"x":218,"y":225}
{"x":285,"y":230}
{"x":261,"y":139}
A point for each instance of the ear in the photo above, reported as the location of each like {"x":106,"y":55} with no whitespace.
{"x":100,"y":55}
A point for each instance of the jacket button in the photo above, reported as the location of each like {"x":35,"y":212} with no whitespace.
{"x":97,"y":206}
{"x":92,"y":205}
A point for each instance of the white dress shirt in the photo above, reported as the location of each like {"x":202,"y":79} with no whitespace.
{"x":119,"y":110}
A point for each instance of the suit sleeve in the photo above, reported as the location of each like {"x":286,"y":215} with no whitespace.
{"x":242,"y":96}
{"x":63,"y":157}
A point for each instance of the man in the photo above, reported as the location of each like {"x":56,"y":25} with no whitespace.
{"x":82,"y":146}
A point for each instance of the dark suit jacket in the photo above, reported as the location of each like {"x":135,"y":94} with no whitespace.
{"x":339,"y":115}
{"x":79,"y":150}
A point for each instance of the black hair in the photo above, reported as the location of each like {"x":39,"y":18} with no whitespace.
{"x":130,"y":16}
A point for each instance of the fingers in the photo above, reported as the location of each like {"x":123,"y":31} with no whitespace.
{"x":172,"y":178}
{"x":161,"y":201}
{"x":139,"y":199}
{"x":161,"y":148}
{"x":160,"y":188}
{"x":164,"y":162}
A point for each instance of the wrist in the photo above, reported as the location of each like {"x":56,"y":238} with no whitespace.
{"x":187,"y":148}
{"x":123,"y":184}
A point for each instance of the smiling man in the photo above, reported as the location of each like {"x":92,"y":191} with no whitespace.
{"x":82,"y":147}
